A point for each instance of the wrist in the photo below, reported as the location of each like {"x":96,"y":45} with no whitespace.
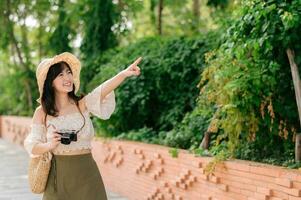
{"x":48,"y":146}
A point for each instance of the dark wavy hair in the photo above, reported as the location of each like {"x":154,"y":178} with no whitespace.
{"x":48,"y":97}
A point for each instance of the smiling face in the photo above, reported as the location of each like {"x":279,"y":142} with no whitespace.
{"x":59,"y":80}
{"x":63,"y":83}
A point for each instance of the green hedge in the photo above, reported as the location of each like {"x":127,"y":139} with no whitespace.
{"x":249,"y":81}
{"x":150,"y":107}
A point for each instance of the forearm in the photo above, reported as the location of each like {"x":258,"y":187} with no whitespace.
{"x":41,"y":148}
{"x":112,"y":84}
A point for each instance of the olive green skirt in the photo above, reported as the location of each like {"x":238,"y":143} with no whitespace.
{"x":74,"y":177}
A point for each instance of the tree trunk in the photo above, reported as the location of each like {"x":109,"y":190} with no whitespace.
{"x":12,"y":52}
{"x":40,"y":42}
{"x":14,"y":41}
{"x":196,"y":15}
{"x":196,"y":9}
{"x":298,"y":148}
{"x":152,"y":16}
{"x":25,"y":47}
{"x":160,"y":9}
{"x":296,"y":80}
{"x":121,"y":4}
{"x":206,"y":141}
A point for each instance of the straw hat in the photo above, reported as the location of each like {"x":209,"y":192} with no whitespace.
{"x":43,"y":68}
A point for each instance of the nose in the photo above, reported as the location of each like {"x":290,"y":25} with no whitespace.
{"x":67,"y":77}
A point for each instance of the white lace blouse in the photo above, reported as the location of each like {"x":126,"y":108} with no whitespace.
{"x":102,"y":108}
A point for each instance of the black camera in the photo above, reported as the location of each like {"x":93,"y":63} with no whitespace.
{"x":67,"y":136}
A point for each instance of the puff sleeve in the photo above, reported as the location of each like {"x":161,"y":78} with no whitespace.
{"x":102,"y":108}
{"x":36,"y":135}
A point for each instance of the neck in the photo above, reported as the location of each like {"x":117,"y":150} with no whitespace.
{"x":61,"y":100}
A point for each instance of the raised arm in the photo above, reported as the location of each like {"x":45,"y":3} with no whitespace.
{"x":113,"y":83}
{"x":101,"y":101}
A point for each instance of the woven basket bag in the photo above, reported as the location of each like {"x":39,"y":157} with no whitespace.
{"x":38,"y":171}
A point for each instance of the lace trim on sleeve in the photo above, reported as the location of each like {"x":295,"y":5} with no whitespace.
{"x":36,"y":135}
{"x":102,"y":108}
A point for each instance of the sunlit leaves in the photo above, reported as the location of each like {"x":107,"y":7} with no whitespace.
{"x":251,"y":66}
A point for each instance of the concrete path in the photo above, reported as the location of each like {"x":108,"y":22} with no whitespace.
{"x":13,"y":174}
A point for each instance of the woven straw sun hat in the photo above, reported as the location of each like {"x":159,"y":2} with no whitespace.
{"x":43,"y":68}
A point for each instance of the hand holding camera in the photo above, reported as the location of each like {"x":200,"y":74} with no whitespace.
{"x":64,"y":136}
{"x":55,"y":140}
{"x":67,"y":136}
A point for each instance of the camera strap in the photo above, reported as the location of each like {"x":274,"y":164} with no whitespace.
{"x":83,"y":118}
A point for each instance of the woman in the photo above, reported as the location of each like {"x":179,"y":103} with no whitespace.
{"x":62,"y":125}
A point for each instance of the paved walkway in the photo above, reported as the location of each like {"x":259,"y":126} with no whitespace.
{"x":13,"y":174}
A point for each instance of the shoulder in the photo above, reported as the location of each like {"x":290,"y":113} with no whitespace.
{"x":39,"y":116}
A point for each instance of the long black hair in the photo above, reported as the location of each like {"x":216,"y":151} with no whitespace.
{"x":48,"y":97}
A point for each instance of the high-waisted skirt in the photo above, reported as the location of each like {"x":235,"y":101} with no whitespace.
{"x":74,"y":177}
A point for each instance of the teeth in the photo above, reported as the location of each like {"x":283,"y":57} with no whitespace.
{"x":67,"y":84}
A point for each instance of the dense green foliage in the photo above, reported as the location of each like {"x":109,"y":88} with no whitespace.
{"x":98,"y":36}
{"x":249,"y":82}
{"x":217,"y":3}
{"x":165,"y":90}
{"x":60,"y":39}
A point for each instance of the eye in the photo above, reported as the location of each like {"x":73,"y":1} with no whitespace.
{"x":60,"y":74}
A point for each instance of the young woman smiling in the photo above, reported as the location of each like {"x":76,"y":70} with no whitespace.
{"x":62,"y":125}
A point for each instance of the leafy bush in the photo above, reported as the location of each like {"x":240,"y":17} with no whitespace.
{"x":249,"y":80}
{"x":188,"y":133}
{"x":15,"y":101}
{"x":144,"y":134}
{"x":164,"y":91}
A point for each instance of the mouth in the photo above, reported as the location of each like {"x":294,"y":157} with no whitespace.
{"x":67,"y":84}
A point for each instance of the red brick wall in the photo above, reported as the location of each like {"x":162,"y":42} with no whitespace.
{"x":143,"y":171}
{"x":14,"y":128}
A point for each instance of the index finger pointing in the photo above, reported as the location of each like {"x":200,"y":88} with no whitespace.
{"x":137,"y":61}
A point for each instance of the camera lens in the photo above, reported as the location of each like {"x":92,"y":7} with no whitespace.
{"x":65,"y":138}
{"x":65,"y":141}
